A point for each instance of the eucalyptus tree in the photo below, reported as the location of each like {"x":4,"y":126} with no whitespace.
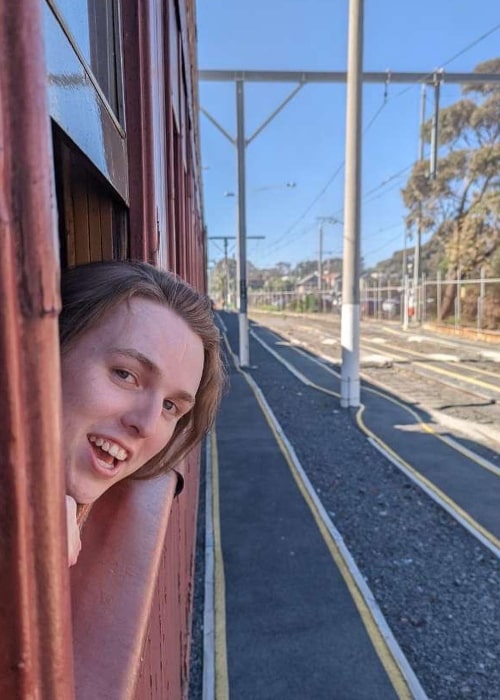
{"x":460,"y":206}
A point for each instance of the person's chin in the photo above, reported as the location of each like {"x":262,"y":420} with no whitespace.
{"x":82,"y":496}
{"x":82,"y":489}
{"x":86,"y":480}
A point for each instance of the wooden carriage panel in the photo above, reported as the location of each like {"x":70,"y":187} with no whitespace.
{"x":173,"y":60}
{"x":109,"y":202}
{"x":91,"y":217}
{"x":35,"y":641}
{"x":173,"y":233}
{"x":159,"y":85}
{"x":138,"y":105}
{"x":165,"y":669}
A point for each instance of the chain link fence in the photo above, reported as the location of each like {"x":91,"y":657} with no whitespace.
{"x":462,"y":303}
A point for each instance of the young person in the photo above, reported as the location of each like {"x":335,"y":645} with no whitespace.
{"x":142,"y":376}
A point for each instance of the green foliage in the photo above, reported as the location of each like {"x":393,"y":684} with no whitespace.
{"x":460,"y":207}
{"x":308,"y":303}
{"x":490,"y":66}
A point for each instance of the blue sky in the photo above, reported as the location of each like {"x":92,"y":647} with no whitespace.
{"x":305,"y":143}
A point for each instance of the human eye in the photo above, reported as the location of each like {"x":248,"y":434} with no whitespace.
{"x":124,"y":375}
{"x":170,"y":407}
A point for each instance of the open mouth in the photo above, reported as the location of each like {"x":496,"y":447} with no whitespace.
{"x":104,"y":456}
{"x":109,"y":453}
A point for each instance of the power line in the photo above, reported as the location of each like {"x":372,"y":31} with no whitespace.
{"x":276,"y":245}
{"x":309,"y":207}
{"x":377,"y":114}
{"x":472,"y":44}
{"x":325,"y":187}
{"x":273,"y":247}
{"x":383,"y":230}
{"x":387,"y":180}
{"x":455,"y":56}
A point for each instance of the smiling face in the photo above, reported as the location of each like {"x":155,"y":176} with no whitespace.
{"x":126,"y":383}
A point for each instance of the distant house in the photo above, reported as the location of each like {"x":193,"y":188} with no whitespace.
{"x":309,"y":283}
{"x":332,"y":282}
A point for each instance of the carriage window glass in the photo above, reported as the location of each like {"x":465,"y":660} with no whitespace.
{"x":94,"y":26}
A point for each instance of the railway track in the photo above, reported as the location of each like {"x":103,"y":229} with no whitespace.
{"x":416,"y":559}
{"x":458,"y":383}
{"x":422,"y":418}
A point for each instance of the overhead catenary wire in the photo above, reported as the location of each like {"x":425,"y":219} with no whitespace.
{"x":455,"y":56}
{"x":384,"y":245}
{"x":309,"y":207}
{"x":329,"y":182}
{"x":387,"y":98}
{"x":276,"y":244}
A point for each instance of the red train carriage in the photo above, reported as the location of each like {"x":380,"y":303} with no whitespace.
{"x":99,"y":159}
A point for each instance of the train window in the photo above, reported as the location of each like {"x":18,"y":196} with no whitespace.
{"x":106,"y":55}
{"x":173,"y":43}
{"x":95,"y":27}
{"x":93,"y":222}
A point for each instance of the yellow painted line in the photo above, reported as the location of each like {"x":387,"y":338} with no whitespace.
{"x":452,"y":506}
{"x":221,"y":672}
{"x":379,"y":643}
{"x":465,"y":365}
{"x":425,"y":426}
{"x":486,"y":534}
{"x":292,"y":369}
{"x":438,"y":370}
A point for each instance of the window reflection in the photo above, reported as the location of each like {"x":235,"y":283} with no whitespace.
{"x":95,"y":28}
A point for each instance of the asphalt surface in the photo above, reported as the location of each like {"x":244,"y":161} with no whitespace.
{"x":436,"y":585}
{"x":292,"y":628}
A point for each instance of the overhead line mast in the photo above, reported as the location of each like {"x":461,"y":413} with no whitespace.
{"x":388,"y":76}
{"x":350,"y":389}
{"x":355,"y":77}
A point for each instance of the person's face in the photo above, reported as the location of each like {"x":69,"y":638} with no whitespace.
{"x":126,"y":382}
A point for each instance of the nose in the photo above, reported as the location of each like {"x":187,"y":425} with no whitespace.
{"x":143,"y":417}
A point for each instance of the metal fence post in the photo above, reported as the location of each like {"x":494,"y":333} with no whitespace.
{"x":438,"y":295}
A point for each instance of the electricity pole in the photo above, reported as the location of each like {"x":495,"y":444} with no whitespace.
{"x":226,"y":260}
{"x":322,"y":220}
{"x":350,"y":390}
{"x":320,"y":259}
{"x":418,"y":236}
{"x":354,"y":78}
{"x":241,"y":142}
{"x":241,"y":260}
{"x":226,"y":267}
{"x":434,"y":129}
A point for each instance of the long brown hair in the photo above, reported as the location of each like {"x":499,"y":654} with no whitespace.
{"x":90,"y":291}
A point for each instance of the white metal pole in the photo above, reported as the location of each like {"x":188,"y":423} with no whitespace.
{"x":241,"y":266}
{"x":405,"y":304}
{"x":418,"y":235}
{"x":350,"y":320}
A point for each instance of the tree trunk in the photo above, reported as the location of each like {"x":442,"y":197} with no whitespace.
{"x":450,"y":293}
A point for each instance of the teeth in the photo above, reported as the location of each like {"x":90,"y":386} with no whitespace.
{"x":117,"y":452}
{"x":114,"y":450}
{"x":111,"y":447}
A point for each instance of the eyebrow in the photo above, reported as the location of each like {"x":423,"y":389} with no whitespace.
{"x":151,"y":367}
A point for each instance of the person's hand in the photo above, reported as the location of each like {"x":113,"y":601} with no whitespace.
{"x":74,"y":543}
